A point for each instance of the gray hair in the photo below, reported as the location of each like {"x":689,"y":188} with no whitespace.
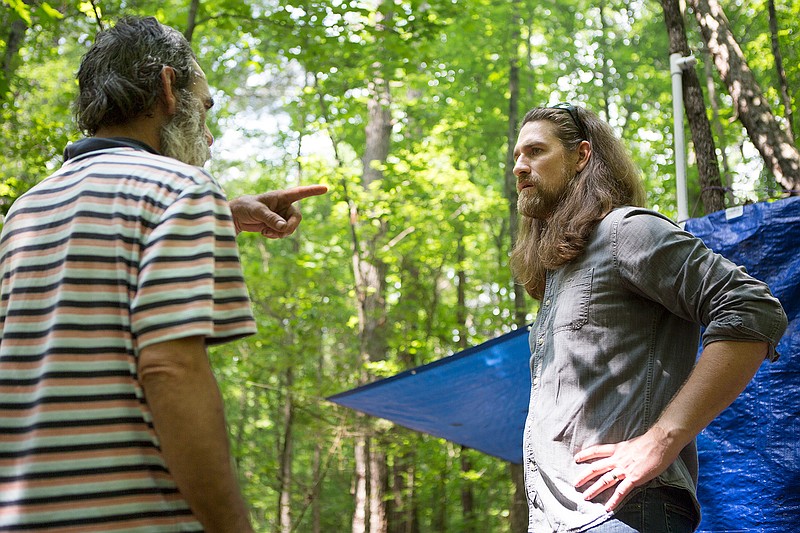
{"x":120,"y":76}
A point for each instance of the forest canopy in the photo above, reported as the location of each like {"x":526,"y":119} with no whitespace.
{"x":405,"y":109}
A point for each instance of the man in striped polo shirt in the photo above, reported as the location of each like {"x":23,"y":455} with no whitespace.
{"x":116,"y":272}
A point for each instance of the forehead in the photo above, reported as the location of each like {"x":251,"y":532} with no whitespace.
{"x":542,"y":131}
{"x":200,"y":84}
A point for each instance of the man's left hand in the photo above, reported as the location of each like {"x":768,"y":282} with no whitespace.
{"x":624,"y":466}
{"x":273,"y":214}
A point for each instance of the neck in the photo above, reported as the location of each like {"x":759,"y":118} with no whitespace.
{"x":144,"y":129}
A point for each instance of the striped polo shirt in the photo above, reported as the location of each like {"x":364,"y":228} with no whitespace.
{"x":119,"y":249}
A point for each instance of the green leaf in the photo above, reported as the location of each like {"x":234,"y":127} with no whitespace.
{"x":21,"y":9}
{"x":50,"y":12}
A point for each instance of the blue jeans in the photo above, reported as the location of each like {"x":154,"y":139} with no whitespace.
{"x":653,"y":510}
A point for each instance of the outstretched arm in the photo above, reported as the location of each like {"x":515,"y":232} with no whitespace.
{"x":721,"y":374}
{"x":273,"y":214}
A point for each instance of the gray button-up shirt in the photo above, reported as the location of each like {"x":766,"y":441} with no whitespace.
{"x":615,"y":338}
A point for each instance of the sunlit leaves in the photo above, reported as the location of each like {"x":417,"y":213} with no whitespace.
{"x":21,"y":9}
{"x":291,"y":80}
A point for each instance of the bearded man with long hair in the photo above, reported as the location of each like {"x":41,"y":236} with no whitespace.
{"x":616,"y":397}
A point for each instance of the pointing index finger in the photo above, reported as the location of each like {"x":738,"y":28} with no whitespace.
{"x":304,"y":191}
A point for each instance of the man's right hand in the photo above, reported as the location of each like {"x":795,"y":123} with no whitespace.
{"x":273,"y":214}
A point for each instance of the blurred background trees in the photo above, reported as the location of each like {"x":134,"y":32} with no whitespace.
{"x":405,"y":109}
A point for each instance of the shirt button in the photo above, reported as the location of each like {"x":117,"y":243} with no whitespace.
{"x":547,"y":302}
{"x":540,"y":341}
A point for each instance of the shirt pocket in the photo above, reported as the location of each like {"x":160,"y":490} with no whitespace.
{"x":572,"y":301}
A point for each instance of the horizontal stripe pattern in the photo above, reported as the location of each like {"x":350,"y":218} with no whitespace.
{"x":118,"y":250}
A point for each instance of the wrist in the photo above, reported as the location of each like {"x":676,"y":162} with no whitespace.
{"x":672,"y":436}
{"x":232,"y":204}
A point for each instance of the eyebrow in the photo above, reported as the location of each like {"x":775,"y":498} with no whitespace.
{"x":530,"y":144}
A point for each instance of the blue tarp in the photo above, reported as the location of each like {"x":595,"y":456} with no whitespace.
{"x":477,"y":397}
{"x":749,"y":456}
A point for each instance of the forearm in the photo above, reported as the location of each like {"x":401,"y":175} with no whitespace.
{"x":189,"y":420}
{"x":721,"y":374}
{"x":723,"y":371}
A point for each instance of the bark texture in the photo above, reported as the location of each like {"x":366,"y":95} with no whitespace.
{"x":712,"y":193}
{"x":774,"y":144}
{"x":783,"y":85}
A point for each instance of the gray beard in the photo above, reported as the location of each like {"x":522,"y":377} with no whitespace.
{"x":183,"y":137}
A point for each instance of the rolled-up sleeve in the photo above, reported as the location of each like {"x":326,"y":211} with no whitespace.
{"x":660,"y":261}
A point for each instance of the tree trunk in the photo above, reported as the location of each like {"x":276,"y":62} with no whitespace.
{"x":604,"y":62}
{"x":782,"y":83}
{"x":711,"y":191}
{"x":285,"y":459}
{"x":519,"y":506}
{"x":716,"y":123}
{"x":467,"y":494}
{"x":520,"y":307}
{"x":16,"y":33}
{"x":403,"y":514}
{"x":14,"y":39}
{"x":370,"y":277}
{"x":439,"y":511}
{"x":238,"y":430}
{"x":378,"y":480}
{"x":777,"y":149}
{"x":360,"y":514}
{"x":519,"y":511}
{"x":316,"y":492}
{"x":191,"y":22}
{"x":317,"y":466}
{"x":461,"y":289}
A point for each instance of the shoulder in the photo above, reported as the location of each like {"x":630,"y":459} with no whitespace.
{"x":160,"y":165}
{"x":637,"y":216}
{"x":640,"y":225}
{"x":122,"y":161}
{"x":642,"y":238}
{"x":143,"y":174}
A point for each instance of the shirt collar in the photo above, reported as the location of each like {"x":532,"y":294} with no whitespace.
{"x":93,"y":144}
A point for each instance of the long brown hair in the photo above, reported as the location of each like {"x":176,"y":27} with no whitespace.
{"x":610,"y":179}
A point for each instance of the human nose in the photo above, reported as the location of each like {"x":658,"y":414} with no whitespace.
{"x":209,"y":136}
{"x":521,"y":167}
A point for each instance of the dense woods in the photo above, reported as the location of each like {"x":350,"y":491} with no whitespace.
{"x":405,"y":109}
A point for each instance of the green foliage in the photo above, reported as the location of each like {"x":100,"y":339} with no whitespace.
{"x":291,"y":80}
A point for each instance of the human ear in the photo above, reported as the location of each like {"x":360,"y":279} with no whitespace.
{"x":584,"y":153}
{"x":168,"y":96}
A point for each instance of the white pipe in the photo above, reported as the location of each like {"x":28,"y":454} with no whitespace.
{"x":677,"y":64}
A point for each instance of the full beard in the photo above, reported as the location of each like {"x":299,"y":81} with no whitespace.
{"x":525,"y":260}
{"x":183,"y":138}
{"x":537,"y":203}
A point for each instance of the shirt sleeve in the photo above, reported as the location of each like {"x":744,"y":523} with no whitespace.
{"x":190,"y":280}
{"x":660,"y":261}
